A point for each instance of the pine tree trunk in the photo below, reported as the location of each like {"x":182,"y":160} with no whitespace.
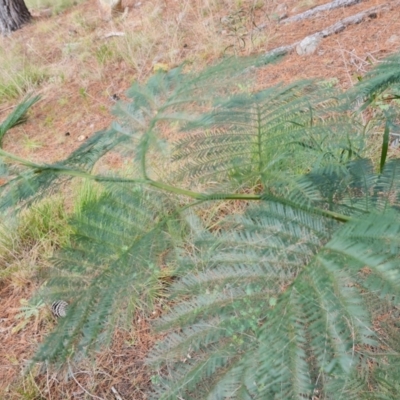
{"x":13,"y":14}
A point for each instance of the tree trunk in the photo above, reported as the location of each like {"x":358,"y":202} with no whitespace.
{"x":13,"y":14}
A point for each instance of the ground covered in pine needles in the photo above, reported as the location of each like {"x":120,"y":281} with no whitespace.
{"x":78,"y":62}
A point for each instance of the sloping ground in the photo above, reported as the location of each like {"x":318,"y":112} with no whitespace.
{"x":76,"y":96}
{"x":344,"y":56}
{"x":84,"y":69}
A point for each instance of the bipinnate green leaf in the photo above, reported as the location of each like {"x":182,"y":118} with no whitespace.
{"x":17,"y":116}
{"x":111,"y":264}
{"x":292,"y":298}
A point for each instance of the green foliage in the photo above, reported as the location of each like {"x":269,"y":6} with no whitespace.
{"x":104,"y":53}
{"x":17,"y":117}
{"x":250,"y":137}
{"x":385,"y":76}
{"x":28,"y":241}
{"x":27,"y":181}
{"x":57,"y":6}
{"x":280,"y":299}
{"x":18,"y":76}
{"x":119,"y":238}
{"x":29,"y":310}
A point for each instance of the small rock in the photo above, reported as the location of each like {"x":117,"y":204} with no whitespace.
{"x":308,"y":45}
{"x":81,"y":138}
{"x":281,"y":11}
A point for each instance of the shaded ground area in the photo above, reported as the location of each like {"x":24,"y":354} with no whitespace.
{"x":84,"y":70}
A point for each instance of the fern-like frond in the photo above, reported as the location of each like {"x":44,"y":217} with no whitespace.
{"x":17,"y":117}
{"x":297,"y":318}
{"x":250,"y":137}
{"x":280,"y":301}
{"x":260,"y":255}
{"x":385,"y":75}
{"x":113,"y":264}
{"x":164,"y":98}
{"x":330,"y":293}
{"x":30,"y":182}
{"x":175,"y":99}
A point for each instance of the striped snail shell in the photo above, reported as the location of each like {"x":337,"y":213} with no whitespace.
{"x":59,"y":308}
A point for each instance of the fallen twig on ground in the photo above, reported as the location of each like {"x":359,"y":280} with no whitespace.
{"x":335,"y":28}
{"x":324,"y":7}
{"x":115,"y":393}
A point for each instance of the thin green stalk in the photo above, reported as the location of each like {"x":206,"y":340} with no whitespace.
{"x":82,"y":174}
{"x":242,"y":196}
{"x":19,"y":159}
{"x":168,"y":188}
{"x":259,"y":142}
{"x":385,"y":146}
{"x":325,"y":213}
{"x":203,"y":196}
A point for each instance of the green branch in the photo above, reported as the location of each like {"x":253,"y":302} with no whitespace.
{"x":203,"y":196}
{"x":20,"y":160}
{"x":326,"y":213}
{"x":60,"y":169}
{"x":250,"y":197}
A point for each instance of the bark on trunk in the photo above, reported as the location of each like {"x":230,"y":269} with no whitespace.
{"x":13,"y":14}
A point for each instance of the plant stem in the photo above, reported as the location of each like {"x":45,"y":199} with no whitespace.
{"x":19,"y":159}
{"x":60,"y":169}
{"x":203,"y":196}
